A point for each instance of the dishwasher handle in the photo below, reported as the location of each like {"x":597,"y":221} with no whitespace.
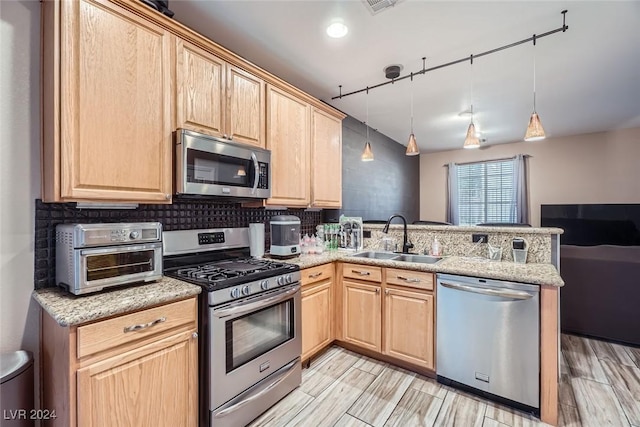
{"x":506,"y":293}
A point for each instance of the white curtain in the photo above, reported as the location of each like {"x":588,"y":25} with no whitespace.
{"x":453,"y":212}
{"x":520,"y":186}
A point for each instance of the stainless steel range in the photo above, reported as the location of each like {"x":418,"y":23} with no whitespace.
{"x":249,"y":321}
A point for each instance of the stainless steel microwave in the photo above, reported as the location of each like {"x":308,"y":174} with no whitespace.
{"x":209,"y":166}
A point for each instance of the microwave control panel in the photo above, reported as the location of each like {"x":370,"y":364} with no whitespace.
{"x":263,"y":175}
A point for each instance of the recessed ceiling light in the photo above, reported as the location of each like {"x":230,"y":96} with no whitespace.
{"x":337,"y":30}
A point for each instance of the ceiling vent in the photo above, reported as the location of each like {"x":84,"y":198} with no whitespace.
{"x":376,"y":6}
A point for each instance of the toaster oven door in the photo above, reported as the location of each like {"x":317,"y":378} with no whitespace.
{"x":98,"y":268}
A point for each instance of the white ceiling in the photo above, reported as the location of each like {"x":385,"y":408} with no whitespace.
{"x":588,"y":78}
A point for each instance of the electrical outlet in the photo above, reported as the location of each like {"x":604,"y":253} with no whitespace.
{"x":366,"y":234}
{"x":475,"y":238}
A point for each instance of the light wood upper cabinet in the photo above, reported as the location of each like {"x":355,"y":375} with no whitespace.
{"x":216,"y":98}
{"x":106,"y":104}
{"x":408,"y":326}
{"x":326,"y":160}
{"x":362,"y":310}
{"x":245,"y":107}
{"x":288,"y":135}
{"x":200,"y":89}
{"x":317,"y":308}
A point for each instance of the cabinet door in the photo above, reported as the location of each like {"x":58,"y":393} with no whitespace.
{"x":408,"y":326}
{"x":317,"y":317}
{"x":288,"y":140}
{"x":362,"y":308}
{"x":155,"y":385}
{"x":245,"y":107}
{"x":326,"y":164}
{"x":200,"y":100}
{"x":115,"y":105}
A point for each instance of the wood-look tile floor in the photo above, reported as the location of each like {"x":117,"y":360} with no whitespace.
{"x":599,"y":386}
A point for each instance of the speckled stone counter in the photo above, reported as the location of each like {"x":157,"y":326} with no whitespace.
{"x":537,"y":274}
{"x":68,"y":309}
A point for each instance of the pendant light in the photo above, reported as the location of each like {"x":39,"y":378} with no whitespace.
{"x":471,"y":141}
{"x":412,"y":146}
{"x":367,"y":154}
{"x":535,"y":131}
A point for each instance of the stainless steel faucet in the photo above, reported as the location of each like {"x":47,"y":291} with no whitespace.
{"x":406,"y":244}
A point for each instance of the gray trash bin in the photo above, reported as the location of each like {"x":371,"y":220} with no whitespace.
{"x":16,"y":389}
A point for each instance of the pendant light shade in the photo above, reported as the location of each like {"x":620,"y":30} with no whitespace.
{"x":412,"y":147}
{"x":471,"y":141}
{"x":367,"y":154}
{"x":535,"y":131}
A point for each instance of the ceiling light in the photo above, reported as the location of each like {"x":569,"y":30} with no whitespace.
{"x":471,"y":141}
{"x":337,"y":30}
{"x":535,"y":131}
{"x":412,"y":146}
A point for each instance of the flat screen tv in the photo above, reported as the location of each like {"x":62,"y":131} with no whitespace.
{"x":594,"y":224}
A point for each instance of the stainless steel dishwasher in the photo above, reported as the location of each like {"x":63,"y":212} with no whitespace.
{"x":488,"y":339}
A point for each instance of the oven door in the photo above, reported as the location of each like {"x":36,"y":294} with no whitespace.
{"x":251,"y":339}
{"x":211,"y":166}
{"x":99,"y":268}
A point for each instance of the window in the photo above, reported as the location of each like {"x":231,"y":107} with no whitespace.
{"x":486,"y":192}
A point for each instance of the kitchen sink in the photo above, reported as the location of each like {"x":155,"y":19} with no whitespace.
{"x":375,"y":255}
{"x":422,"y":259}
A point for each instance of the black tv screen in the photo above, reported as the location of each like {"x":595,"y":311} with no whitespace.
{"x":594,"y":224}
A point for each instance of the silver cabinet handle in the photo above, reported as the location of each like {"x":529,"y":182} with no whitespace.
{"x":377,"y":290}
{"x":362,"y":273}
{"x":133,"y":328}
{"x":194,"y":335}
{"x":410,"y":280}
{"x":225,"y":136}
{"x":314,"y":275}
{"x":167,"y":196}
{"x":491,"y":292}
{"x":386,"y":291}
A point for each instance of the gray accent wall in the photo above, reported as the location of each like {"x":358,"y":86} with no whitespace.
{"x":388,"y":185}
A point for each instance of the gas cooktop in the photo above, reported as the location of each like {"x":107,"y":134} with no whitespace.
{"x":222,"y":274}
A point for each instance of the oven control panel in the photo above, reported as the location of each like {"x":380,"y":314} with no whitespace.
{"x":210,"y":238}
{"x":252,"y":288}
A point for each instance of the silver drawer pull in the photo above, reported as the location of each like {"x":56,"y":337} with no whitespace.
{"x":410,"y":280}
{"x":314,"y":275}
{"x":362,"y":273}
{"x":133,"y":328}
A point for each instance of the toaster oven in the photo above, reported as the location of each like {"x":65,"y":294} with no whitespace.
{"x":92,"y":257}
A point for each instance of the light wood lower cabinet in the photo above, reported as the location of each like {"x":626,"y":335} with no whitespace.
{"x":147,"y":376}
{"x":362,"y":309}
{"x":317,"y":309}
{"x":389,"y":311}
{"x":408,"y":326}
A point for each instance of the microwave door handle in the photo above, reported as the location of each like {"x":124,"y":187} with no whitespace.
{"x":256,"y":173}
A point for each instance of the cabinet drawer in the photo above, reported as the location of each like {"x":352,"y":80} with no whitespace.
{"x":120,"y":330}
{"x":362,"y":272}
{"x":412,"y":279}
{"x":315,"y":274}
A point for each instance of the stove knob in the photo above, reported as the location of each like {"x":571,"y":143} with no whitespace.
{"x":280,"y":280}
{"x":288,"y":278}
{"x":235,"y":293}
{"x":245,"y":290}
{"x":134,"y":235}
{"x":264,"y":285}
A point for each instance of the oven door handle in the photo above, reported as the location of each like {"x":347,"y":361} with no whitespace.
{"x":257,"y":304}
{"x":234,"y":406}
{"x":256,"y":174}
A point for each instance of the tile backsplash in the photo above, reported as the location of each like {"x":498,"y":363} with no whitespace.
{"x":183,"y":214}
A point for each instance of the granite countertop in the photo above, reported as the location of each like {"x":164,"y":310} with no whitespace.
{"x":537,"y":274}
{"x":68,"y":309}
{"x":471,"y":228}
